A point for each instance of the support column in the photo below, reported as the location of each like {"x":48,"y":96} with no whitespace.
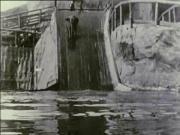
{"x":174,"y":14}
{"x":120,"y":14}
{"x":169,"y":16}
{"x":19,"y":21}
{"x":40,"y":16}
{"x":156,"y":14}
{"x":130,"y":15}
{"x":115,"y":18}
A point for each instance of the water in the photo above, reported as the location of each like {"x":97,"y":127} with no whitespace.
{"x":90,"y":113}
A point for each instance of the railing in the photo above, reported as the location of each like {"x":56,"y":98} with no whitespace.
{"x":27,"y":20}
{"x":123,"y":13}
{"x":31,"y":19}
{"x":170,"y":16}
{"x":149,"y":1}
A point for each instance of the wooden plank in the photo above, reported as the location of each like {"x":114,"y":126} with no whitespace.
{"x":40,"y":14}
{"x":18,"y":30}
{"x":130,"y":15}
{"x":27,"y":12}
{"x":33,"y":20}
{"x":32,"y":23}
{"x":9,"y":24}
{"x":10,"y":18}
{"x":11,"y":27}
{"x":115,"y":18}
{"x":27,"y":16}
{"x":19,"y":21}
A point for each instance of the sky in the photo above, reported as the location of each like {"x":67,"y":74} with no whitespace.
{"x":5,"y":5}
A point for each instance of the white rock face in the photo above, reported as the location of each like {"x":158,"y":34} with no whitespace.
{"x":45,"y":54}
{"x":148,"y":56}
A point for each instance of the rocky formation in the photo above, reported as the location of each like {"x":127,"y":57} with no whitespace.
{"x":148,"y":56}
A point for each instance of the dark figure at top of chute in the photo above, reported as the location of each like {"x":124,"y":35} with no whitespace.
{"x":71,"y":29}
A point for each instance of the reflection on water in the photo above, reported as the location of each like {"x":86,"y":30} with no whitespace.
{"x":90,"y":113}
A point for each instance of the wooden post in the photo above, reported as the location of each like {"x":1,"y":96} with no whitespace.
{"x":2,"y":23}
{"x":115,"y":18}
{"x":163,"y":18}
{"x":32,"y":64}
{"x":120,"y":14}
{"x":174,"y":14}
{"x":130,"y":12}
{"x":40,"y":16}
{"x":16,"y":39}
{"x":114,"y":21}
{"x":156,"y":14}
{"x":130,"y":15}
{"x":19,"y":21}
{"x":169,"y":16}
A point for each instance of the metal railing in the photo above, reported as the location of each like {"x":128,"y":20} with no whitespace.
{"x":157,"y":18}
{"x":170,"y":16}
{"x":26,"y":20}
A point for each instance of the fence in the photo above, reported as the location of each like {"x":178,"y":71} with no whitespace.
{"x":27,"y":20}
{"x":170,"y":16}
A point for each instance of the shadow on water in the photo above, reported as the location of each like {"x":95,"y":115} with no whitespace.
{"x":90,"y":113}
